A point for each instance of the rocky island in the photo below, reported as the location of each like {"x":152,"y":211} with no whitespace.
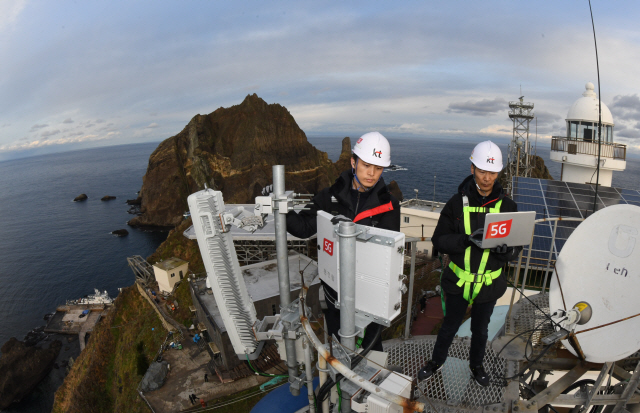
{"x":232,"y":150}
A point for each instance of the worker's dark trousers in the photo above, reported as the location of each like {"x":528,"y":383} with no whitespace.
{"x":456,"y":307}
{"x":332,"y":315}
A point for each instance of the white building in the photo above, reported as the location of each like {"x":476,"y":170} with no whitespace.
{"x":169,"y":272}
{"x":578,"y":151}
{"x":419,"y":219}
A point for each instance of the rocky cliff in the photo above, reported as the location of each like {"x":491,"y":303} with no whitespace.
{"x":232,"y":150}
{"x":22,"y":368}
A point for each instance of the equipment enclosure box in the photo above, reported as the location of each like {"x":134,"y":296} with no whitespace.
{"x":379,"y":267}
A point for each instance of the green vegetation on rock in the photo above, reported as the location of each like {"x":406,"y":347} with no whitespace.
{"x":106,"y":375}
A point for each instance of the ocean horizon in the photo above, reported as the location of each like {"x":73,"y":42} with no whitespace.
{"x":54,"y":249}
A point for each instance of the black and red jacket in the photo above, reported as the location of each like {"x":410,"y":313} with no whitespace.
{"x":375,"y":208}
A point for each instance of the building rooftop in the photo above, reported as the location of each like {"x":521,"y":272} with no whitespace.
{"x":262,"y":282}
{"x":267,"y":233}
{"x":422,"y":205}
{"x":170,"y":263}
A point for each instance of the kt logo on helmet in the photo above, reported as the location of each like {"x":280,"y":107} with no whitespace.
{"x":377,"y":154}
{"x":490,"y":160}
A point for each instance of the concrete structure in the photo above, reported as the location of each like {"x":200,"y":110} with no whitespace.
{"x":578,"y":150}
{"x":169,"y":272}
{"x":418,"y":218}
{"x":262,"y":285}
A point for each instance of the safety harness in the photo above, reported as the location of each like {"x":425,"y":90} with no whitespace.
{"x":467,"y":278}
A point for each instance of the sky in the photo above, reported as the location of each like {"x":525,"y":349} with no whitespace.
{"x":77,"y":74}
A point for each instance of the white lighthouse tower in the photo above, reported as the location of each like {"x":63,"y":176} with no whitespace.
{"x":578,"y":151}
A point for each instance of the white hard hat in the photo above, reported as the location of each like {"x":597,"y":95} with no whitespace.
{"x":373,"y":148}
{"x":487,"y":156}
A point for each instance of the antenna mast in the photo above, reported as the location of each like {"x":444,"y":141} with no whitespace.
{"x":518,"y":161}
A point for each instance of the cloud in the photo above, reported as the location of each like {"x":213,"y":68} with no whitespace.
{"x":36,"y":127}
{"x":152,"y":125}
{"x":482,"y":107}
{"x":497,"y":130}
{"x":46,"y":134}
{"x":627,"y":107}
{"x":629,"y":132}
{"x":9,"y":11}
{"x":45,"y":141}
{"x":67,"y":120}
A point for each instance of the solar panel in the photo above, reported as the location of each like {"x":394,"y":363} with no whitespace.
{"x":558,"y":199}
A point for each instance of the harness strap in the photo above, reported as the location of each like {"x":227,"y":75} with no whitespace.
{"x":465,"y":276}
{"x":374,"y":211}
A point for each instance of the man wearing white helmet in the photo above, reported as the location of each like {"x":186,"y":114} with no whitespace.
{"x":474,"y":276}
{"x":361,"y":195}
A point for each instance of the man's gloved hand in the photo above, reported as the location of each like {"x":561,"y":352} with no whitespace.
{"x":267,"y":190}
{"x":500,"y":249}
{"x":476,"y":237}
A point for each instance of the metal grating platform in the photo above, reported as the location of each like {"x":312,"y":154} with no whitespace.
{"x":529,"y":321}
{"x":452,"y":389}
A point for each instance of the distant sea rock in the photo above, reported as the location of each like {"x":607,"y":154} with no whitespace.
{"x":81,"y":197}
{"x":107,"y":198}
{"x":120,"y":232}
{"x":22,"y":368}
{"x":232,"y":150}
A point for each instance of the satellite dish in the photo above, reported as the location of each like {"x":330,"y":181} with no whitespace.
{"x":600,"y":264}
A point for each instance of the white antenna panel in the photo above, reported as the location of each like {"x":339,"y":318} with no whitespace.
{"x":600,"y":264}
{"x":223,"y":271}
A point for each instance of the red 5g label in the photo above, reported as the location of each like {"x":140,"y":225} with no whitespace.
{"x":327,"y":246}
{"x":499,"y":229}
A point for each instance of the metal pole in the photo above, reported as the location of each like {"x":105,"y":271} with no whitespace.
{"x":513,"y":293}
{"x":553,"y":240}
{"x":433,"y":203}
{"x":414,"y":245}
{"x":526,"y":267}
{"x":282,"y":259}
{"x":322,"y":365}
{"x":309,"y":373}
{"x":347,"y":332}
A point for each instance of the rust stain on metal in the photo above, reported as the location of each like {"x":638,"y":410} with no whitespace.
{"x":410,"y":406}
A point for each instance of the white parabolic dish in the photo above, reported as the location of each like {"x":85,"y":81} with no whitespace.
{"x":600,"y":264}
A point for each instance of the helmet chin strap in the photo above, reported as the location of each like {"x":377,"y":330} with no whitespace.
{"x":474,"y":181}
{"x":360,"y":185}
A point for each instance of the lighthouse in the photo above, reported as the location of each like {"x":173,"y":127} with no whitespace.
{"x":578,"y":150}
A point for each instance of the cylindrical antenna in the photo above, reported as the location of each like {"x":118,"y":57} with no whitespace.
{"x":595,"y":43}
{"x":433,"y":204}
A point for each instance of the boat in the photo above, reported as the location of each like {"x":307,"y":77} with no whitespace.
{"x":96,"y":298}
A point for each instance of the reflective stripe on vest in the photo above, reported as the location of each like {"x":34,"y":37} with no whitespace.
{"x":465,"y":276}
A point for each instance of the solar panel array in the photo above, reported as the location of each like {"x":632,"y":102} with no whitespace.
{"x":553,"y":199}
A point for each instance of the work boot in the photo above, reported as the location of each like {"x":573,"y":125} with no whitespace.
{"x":481,"y":376}
{"x":428,"y":370}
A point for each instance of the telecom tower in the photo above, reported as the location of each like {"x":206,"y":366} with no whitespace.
{"x":518,"y":161}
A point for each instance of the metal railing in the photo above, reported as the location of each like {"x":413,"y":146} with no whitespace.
{"x":573,"y":147}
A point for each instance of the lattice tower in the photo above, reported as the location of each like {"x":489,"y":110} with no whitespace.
{"x":519,"y":158}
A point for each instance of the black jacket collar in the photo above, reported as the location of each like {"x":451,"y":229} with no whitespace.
{"x":379,"y":194}
{"x":468,"y":188}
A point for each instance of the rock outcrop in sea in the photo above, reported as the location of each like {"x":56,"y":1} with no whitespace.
{"x":22,"y":368}
{"x":232,"y":150}
{"x":81,"y":197}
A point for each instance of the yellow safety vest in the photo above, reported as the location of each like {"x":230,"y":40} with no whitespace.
{"x":465,"y":277}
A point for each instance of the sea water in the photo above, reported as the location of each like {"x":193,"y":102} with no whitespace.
{"x":53,"y":249}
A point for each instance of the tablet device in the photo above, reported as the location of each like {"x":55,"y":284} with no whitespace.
{"x":511,"y":228}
